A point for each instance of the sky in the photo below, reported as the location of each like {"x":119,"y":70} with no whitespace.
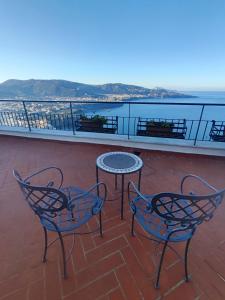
{"x":177,"y":44}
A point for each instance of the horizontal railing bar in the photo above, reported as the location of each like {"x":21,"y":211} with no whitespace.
{"x":143,"y":119}
{"x":113,"y":102}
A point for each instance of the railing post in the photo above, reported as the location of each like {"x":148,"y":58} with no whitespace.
{"x":128,"y":126}
{"x":26,"y":114}
{"x":199,"y":123}
{"x":71,"y":112}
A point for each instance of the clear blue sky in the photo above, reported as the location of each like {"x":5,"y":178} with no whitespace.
{"x":168,"y":43}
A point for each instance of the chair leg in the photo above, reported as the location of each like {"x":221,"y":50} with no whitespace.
{"x":63,"y":254}
{"x":46,"y":245}
{"x":160,"y":264}
{"x":100,"y":223}
{"x":186,"y":259}
{"x":132,"y":225}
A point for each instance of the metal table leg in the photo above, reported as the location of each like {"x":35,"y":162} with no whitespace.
{"x":100,"y":213}
{"x":97,"y":180}
{"x":115,"y":181}
{"x":139,"y":179}
{"x":122,"y":197}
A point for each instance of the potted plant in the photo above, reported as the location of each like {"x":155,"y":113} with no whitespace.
{"x":217,"y":132}
{"x":92,"y":123}
{"x":159,"y":128}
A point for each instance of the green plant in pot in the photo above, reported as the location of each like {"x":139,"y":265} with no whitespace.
{"x":93,"y":121}
{"x":159,"y":127}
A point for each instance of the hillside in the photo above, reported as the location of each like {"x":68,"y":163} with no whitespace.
{"x":34,"y":88}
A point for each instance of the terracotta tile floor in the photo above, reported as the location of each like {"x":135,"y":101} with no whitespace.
{"x":116,"y":266}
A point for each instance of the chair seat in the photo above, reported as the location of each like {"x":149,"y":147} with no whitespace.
{"x":156,"y":225}
{"x":78,"y":212}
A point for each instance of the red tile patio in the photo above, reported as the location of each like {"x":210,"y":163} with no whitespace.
{"x":116,"y":266}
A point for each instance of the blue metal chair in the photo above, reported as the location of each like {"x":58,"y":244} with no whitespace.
{"x":61,"y":210}
{"x":171,"y":217}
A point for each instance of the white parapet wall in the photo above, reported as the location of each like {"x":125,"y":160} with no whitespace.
{"x":149,"y":143}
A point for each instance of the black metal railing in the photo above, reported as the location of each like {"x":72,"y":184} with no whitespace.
{"x":74,"y":117}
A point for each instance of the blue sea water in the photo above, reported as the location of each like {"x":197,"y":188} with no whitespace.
{"x":173,"y":111}
{"x":188,"y":112}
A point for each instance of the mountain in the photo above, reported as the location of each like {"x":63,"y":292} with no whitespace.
{"x":36,"y":88}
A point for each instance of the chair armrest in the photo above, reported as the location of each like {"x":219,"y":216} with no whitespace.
{"x":50,"y":183}
{"x":133,"y":189}
{"x":205,"y":183}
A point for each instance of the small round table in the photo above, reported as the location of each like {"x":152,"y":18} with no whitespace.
{"x":119,"y":163}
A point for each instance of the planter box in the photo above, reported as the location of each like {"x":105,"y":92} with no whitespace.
{"x":159,"y":131}
{"x":164,"y":129}
{"x":90,"y":125}
{"x":217,"y":132}
{"x":218,"y":138}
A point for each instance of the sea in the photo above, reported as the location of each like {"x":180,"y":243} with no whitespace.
{"x":189,"y":112}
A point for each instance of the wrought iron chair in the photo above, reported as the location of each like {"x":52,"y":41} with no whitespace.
{"x":173,"y":217}
{"x":61,"y":210}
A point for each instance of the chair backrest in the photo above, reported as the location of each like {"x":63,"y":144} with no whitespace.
{"x":186,"y":209}
{"x":44,"y":200}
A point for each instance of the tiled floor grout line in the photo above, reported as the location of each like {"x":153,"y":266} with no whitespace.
{"x":122,"y":254}
{"x":174,"y":287}
{"x":111,"y":219}
{"x":28,"y":292}
{"x":60,"y":274}
{"x":151,"y":255}
{"x":99,"y":260}
{"x":107,"y":242}
{"x":89,"y":283}
{"x":111,"y":228}
{"x":82,"y":246}
{"x":139,"y":262}
{"x":91,"y":236}
{"x":45,"y":287}
{"x":107,"y":294}
{"x":173,"y":264}
{"x":137,"y":287}
{"x":123,"y":293}
{"x":27,"y":287}
{"x":217,"y":273}
{"x":11,"y":293}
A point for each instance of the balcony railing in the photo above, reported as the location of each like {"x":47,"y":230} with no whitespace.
{"x":144,"y":120}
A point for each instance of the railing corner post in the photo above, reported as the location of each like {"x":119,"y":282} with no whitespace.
{"x":199,"y":123}
{"x":128,"y":127}
{"x":26,"y":114}
{"x":72,"y":120}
